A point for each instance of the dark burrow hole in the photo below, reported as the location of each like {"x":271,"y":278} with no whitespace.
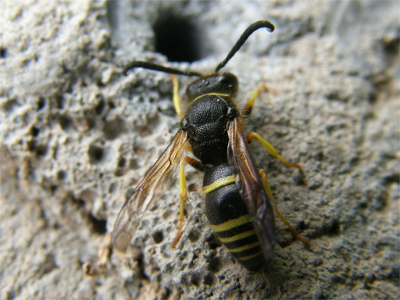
{"x":97,"y":226}
{"x":177,"y":37}
{"x":158,"y":237}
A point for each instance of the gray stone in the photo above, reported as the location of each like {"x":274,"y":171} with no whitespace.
{"x":77,"y":136}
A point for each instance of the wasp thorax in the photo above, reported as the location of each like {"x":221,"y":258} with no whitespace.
{"x":223,"y":83}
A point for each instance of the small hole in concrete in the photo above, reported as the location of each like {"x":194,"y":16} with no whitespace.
{"x":177,"y":37}
{"x":183,"y":256}
{"x":194,"y":235}
{"x":59,"y":101}
{"x":193,"y":187}
{"x":90,"y":119}
{"x":48,"y":265}
{"x":195,"y":280}
{"x":145,"y":131}
{"x":333,"y":228}
{"x":113,"y":129}
{"x":61,"y":175}
{"x":9,"y":105}
{"x":392,"y":45}
{"x":111,"y":105}
{"x":31,"y":145}
{"x":121,"y":162}
{"x":213,"y":242}
{"x":53,"y":189}
{"x":99,"y":83}
{"x":209,"y":279}
{"x":158,"y":237}
{"x":99,"y":107}
{"x":98,"y":226}
{"x":41,"y":150}
{"x":113,"y":187}
{"x":133,"y":164}
{"x":95,"y":154}
{"x":3,"y":52}
{"x":120,"y":172}
{"x":65,"y":121}
{"x":41,"y":103}
{"x":214,"y":265}
{"x":35,"y":131}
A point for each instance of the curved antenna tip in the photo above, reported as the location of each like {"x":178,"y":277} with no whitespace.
{"x":245,"y":35}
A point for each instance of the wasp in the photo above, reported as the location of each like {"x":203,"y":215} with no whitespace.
{"x":238,"y":201}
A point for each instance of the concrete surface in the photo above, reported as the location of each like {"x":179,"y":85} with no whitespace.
{"x":76,"y":136}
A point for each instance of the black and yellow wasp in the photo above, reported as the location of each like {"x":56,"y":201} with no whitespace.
{"x":238,"y":204}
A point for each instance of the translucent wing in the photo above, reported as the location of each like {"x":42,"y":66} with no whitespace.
{"x":251,"y":187}
{"x":132,"y":212}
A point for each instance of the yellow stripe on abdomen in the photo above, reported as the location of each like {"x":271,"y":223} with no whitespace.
{"x":231,"y":224}
{"x":245,"y":247}
{"x":238,"y":236}
{"x":219,"y":183}
{"x":249,"y":257}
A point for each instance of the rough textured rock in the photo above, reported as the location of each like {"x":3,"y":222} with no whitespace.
{"x":76,"y":136}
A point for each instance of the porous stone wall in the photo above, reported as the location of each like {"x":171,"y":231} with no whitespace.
{"x":77,"y":136}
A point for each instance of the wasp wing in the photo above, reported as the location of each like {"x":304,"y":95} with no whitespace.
{"x":132,"y":212}
{"x":251,"y":187}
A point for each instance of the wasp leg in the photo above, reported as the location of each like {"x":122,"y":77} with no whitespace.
{"x":271,"y":150}
{"x":292,"y":230}
{"x":250,"y":103}
{"x":183,"y":191}
{"x":175,"y":96}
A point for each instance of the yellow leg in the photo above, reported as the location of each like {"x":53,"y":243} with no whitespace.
{"x":292,"y":230}
{"x":175,"y":96}
{"x":250,"y":103}
{"x":271,"y":150}
{"x":183,"y":192}
{"x":182,"y":197}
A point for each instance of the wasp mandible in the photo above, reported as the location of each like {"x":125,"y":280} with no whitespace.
{"x":238,"y":204}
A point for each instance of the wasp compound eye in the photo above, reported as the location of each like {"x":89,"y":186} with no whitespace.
{"x":228,"y":81}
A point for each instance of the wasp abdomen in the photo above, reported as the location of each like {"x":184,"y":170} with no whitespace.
{"x":229,"y":218}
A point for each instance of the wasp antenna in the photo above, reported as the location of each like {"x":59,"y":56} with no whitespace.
{"x":245,"y":35}
{"x":159,"y":68}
